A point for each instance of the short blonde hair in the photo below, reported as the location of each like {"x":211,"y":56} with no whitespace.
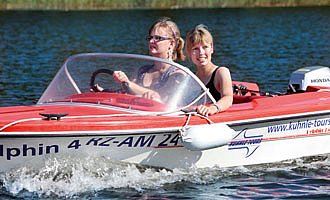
{"x":199,"y":34}
{"x":174,"y":31}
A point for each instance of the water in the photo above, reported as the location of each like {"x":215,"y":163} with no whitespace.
{"x":258,"y":45}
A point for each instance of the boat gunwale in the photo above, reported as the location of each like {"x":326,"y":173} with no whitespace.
{"x":150,"y":131}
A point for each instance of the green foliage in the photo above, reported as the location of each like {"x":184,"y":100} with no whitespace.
{"x":149,"y":4}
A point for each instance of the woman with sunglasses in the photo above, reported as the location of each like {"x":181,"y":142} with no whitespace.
{"x":164,"y":41}
{"x":217,"y":79}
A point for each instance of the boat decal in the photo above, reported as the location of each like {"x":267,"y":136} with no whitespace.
{"x":247,"y":148}
{"x":30,"y":150}
{"x":129,"y":141}
{"x":26,"y":150}
{"x":320,"y":80}
{"x":245,"y":136}
{"x":152,"y":141}
{"x":317,"y":133}
{"x":299,"y":128}
{"x":170,"y":140}
{"x":246,"y":141}
{"x":308,"y":133}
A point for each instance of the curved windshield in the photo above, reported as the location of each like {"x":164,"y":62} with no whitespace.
{"x":177,"y":87}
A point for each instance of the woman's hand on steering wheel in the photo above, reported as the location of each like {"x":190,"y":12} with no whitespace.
{"x":120,"y":77}
{"x":96,"y":88}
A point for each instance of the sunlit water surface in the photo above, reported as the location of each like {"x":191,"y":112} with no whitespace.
{"x":258,"y":45}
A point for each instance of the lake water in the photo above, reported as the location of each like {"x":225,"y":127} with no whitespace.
{"x":263,"y":45}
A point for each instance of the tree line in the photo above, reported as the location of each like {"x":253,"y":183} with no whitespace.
{"x":150,"y":4}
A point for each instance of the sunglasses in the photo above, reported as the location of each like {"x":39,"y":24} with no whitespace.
{"x":157,"y":38}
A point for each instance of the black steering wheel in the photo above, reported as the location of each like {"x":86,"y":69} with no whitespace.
{"x":104,"y":71}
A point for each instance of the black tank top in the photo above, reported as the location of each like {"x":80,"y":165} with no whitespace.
{"x":211,"y":87}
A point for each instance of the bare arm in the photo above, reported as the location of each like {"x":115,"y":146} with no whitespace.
{"x":223,"y":84}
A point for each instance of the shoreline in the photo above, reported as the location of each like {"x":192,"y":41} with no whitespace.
{"x":67,"y":5}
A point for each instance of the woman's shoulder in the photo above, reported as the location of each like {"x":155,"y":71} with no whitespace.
{"x":222,"y":69}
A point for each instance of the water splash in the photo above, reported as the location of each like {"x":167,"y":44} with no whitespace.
{"x":77,"y":177}
{"x":69,"y":177}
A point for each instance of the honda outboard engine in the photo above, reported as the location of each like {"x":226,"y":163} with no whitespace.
{"x":309,"y":76}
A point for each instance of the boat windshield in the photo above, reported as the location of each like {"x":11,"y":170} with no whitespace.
{"x":177,"y":86}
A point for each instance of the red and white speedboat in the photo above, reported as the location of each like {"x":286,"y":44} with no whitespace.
{"x":70,"y":120}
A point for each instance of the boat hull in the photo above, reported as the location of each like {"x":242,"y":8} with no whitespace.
{"x":254,"y":142}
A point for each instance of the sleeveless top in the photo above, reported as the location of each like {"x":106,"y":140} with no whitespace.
{"x":160,"y":82}
{"x":210,"y":85}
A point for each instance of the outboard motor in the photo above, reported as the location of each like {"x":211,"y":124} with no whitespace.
{"x":309,"y":76}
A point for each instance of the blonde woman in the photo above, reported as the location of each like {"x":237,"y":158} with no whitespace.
{"x":217,"y":79}
{"x":164,"y":41}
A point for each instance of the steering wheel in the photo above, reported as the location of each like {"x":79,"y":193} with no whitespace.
{"x":104,"y":71}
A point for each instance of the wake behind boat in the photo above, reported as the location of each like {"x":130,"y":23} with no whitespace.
{"x":71,"y":120}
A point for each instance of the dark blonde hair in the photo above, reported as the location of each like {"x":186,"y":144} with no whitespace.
{"x":174,"y":31}
{"x":199,"y":34}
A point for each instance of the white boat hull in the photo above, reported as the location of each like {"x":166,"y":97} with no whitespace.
{"x":254,"y":143}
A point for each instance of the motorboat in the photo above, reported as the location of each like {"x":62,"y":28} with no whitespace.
{"x":71,"y":119}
